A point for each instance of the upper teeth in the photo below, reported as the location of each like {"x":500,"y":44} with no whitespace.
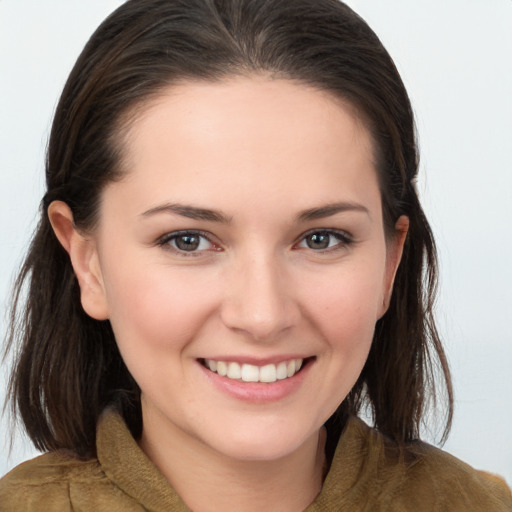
{"x":253,"y":373}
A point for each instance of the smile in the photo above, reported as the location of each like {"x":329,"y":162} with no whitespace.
{"x":251,"y":373}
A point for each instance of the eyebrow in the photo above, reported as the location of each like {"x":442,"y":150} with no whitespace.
{"x":206,"y":214}
{"x":191,"y":212}
{"x":329,"y":210}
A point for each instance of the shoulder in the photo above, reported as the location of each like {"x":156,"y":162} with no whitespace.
{"x":424,"y":474}
{"x":420,"y":477}
{"x":57,"y":482}
{"x":435,"y":473}
{"x":44,"y":483}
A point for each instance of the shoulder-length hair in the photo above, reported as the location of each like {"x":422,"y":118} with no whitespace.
{"x":68,"y":367}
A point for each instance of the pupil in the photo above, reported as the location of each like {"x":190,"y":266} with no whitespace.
{"x":187,"y":242}
{"x":318,"y":241}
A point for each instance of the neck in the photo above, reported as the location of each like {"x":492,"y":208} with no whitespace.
{"x":208,"y":481}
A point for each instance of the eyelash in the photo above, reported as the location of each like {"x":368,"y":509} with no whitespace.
{"x":166,"y":240}
{"x":343,"y":238}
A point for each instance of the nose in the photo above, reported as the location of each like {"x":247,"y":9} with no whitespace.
{"x":259,"y":300}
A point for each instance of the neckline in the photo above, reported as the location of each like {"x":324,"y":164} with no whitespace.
{"x":127,"y":466}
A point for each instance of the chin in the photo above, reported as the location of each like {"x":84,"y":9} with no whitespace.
{"x":263,"y":444}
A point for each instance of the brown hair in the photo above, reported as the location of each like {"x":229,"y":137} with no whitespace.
{"x":68,"y":367}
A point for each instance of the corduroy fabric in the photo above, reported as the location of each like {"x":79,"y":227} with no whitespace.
{"x":368,"y":473}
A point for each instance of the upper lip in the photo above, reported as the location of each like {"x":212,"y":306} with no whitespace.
{"x":258,"y":361}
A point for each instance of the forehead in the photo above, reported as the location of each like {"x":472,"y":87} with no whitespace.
{"x":252,"y":103}
{"x":199,"y":139}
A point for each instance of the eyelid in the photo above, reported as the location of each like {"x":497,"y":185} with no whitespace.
{"x":345,"y":239}
{"x":164,"y":242}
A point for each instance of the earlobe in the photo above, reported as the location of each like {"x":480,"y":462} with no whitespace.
{"x":393,"y":258}
{"x":84,"y":258}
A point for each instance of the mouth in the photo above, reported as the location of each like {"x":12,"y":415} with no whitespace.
{"x":267,"y":373}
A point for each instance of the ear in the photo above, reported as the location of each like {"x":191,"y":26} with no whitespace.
{"x":84,"y":258}
{"x":395,"y":247}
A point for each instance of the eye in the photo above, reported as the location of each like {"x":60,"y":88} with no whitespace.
{"x":187,"y":242}
{"x":325,"y":240}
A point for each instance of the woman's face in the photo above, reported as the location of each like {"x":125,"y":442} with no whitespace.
{"x":245,"y":237}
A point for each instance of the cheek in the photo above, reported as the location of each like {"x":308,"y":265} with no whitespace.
{"x":345,"y":305}
{"x":343,"y":309}
{"x":156,"y":311}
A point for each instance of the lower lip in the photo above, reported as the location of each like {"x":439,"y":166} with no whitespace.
{"x":257,"y":392}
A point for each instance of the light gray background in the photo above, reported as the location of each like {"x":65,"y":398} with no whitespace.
{"x":455,"y":57}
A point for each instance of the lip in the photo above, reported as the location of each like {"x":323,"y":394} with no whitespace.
{"x":258,"y":392}
{"x":258,"y":361}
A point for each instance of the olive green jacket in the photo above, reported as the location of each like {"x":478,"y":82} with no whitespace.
{"x":368,"y":473}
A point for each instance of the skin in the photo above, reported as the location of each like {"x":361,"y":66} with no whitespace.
{"x":262,"y":153}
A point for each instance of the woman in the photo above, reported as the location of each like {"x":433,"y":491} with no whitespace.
{"x":231,"y":263}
